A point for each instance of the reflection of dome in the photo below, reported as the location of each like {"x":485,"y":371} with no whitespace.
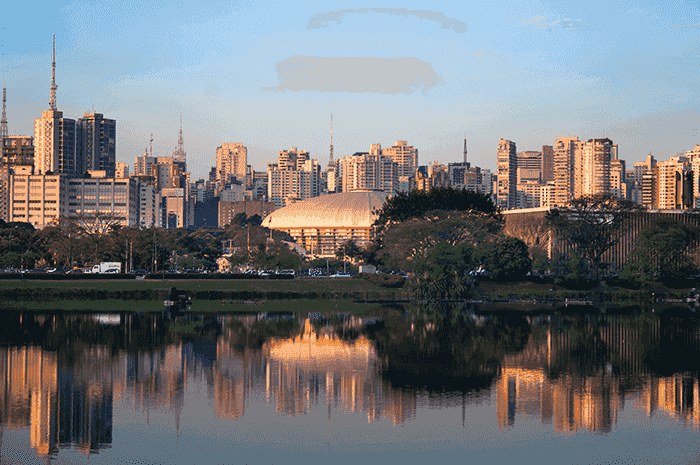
{"x":322,"y":352}
{"x":322,"y":224}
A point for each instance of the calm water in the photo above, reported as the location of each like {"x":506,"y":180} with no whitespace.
{"x":432,"y":385}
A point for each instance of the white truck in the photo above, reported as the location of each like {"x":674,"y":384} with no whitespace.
{"x":107,"y":267}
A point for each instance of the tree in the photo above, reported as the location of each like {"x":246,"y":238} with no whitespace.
{"x":240,"y":219}
{"x":508,"y":259}
{"x":665,"y":248}
{"x":348,"y":250}
{"x":443,"y":270}
{"x":592,"y":225}
{"x":417,"y":203}
{"x":277,"y":255}
{"x":404,"y":243}
{"x":255,"y":220}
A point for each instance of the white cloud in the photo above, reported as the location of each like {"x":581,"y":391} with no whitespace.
{"x":539,"y":22}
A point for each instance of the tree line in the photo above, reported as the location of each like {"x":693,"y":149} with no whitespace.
{"x":444,"y":238}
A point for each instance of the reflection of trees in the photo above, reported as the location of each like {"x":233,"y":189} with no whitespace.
{"x":575,"y":370}
{"x":678,"y":350}
{"x":441,"y":355}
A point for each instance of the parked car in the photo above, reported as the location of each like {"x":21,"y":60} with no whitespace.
{"x":288,"y":272}
{"x":341,"y":275}
{"x":139,"y":272}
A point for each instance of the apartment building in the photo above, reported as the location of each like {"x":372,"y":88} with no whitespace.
{"x":37,"y":199}
{"x":507,"y":164}
{"x":117,"y":198}
{"x":567,"y":151}
{"x":18,"y":151}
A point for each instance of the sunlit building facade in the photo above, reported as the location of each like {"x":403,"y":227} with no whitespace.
{"x":322,"y":224}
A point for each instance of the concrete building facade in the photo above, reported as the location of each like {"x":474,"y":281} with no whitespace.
{"x":117,"y":198}
{"x":507,"y":164}
{"x":567,"y":150}
{"x":231,"y":160}
{"x":37,"y":199}
{"x":54,"y":144}
{"x":228,"y":210}
{"x":18,"y":151}
{"x":96,"y":144}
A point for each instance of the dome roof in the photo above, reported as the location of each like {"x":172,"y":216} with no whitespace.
{"x":342,"y":210}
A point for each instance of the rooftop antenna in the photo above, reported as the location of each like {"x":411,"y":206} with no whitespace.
{"x":3,"y":121}
{"x":151,"y":144}
{"x":52,"y":98}
{"x":330,"y":158}
{"x":465,"y":147}
{"x":180,"y":142}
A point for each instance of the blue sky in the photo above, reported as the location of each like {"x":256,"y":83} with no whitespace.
{"x":270,"y":74}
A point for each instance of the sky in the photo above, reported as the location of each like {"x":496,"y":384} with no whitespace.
{"x":270,"y":75}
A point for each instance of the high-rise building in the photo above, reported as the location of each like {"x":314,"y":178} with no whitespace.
{"x":174,"y":208}
{"x":457,"y":174}
{"x":228,"y":210}
{"x":96,"y":144}
{"x":618,"y":184}
{"x":406,"y":159}
{"x":567,"y":150}
{"x":54,"y":136}
{"x":650,"y":191}
{"x":231,"y":160}
{"x":674,"y":184}
{"x":507,"y":164}
{"x":369,"y":171}
{"x":18,"y":151}
{"x":121,"y":170}
{"x":54,"y":144}
{"x":593,"y":168}
{"x":529,"y":166}
{"x":142,"y":164}
{"x":37,"y":199}
{"x":294,"y":177}
{"x":5,"y":173}
{"x":547,"y":163}
{"x":149,"y":206}
{"x":118,"y":198}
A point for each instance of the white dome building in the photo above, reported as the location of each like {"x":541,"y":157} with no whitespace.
{"x":322,"y":224}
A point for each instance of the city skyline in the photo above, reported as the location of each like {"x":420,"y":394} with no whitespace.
{"x":523,"y":73}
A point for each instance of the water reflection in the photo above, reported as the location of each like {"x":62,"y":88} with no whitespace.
{"x":64,"y":376}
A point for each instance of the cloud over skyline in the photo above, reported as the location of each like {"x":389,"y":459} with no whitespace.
{"x":321,"y":20}
{"x":539,"y":21}
{"x":355,"y":74}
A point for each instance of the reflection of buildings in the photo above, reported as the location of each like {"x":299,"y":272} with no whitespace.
{"x":617,"y":347}
{"x":590,"y":403}
{"x":677,"y":396}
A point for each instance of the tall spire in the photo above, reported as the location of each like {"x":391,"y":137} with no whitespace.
{"x":330,"y":158}
{"x":52,"y":99}
{"x":179,"y":141}
{"x":465,"y":148}
{"x":179,"y":155}
{"x":3,"y":121}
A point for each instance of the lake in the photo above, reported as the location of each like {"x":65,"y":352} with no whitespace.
{"x":398,"y":385}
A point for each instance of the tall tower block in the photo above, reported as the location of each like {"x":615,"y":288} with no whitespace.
{"x":54,"y":136}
